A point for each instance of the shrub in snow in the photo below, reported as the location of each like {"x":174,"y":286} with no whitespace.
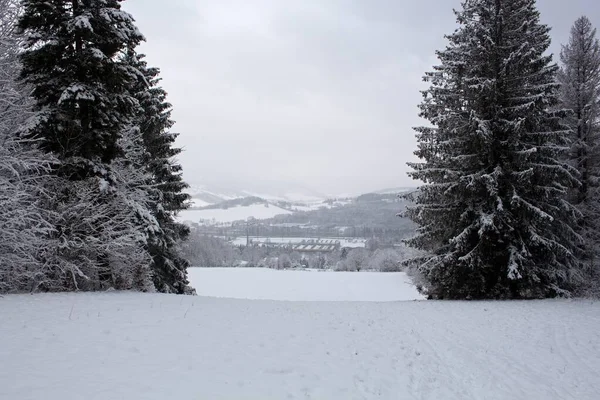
{"x":269,"y":262}
{"x":341,"y":266}
{"x":318,"y":262}
{"x":24,"y":222}
{"x":355,"y":260}
{"x":208,"y":251}
{"x":284,"y":262}
{"x":386,"y":260}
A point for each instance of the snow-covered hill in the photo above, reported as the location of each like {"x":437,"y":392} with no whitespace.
{"x":213,"y":194}
{"x":227,"y":206}
{"x":217,"y":205}
{"x":211,"y":204}
{"x":106,"y":346}
{"x":239,"y":213}
{"x":398,"y":190}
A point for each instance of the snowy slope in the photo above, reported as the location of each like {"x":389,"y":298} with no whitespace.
{"x":269,"y":284}
{"x":292,"y":196}
{"x":257,"y":211}
{"x":198,"y":203}
{"x":156,"y":347}
{"x":281,"y":191}
{"x":397,"y":190}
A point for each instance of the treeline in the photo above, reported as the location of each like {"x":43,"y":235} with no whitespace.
{"x":511,"y":160}
{"x":309,"y":231}
{"x":212,"y":252}
{"x":88,"y":184}
{"x":241,"y":202}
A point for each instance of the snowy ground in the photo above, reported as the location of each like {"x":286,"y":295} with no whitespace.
{"x":156,"y":347}
{"x":108,"y":346}
{"x":269,"y":284}
{"x":257,"y":211}
{"x":198,"y":203}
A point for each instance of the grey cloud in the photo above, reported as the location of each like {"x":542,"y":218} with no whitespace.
{"x":322,"y":93}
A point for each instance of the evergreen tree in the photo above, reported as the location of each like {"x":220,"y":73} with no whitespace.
{"x":492,"y":212}
{"x":74,"y":62}
{"x":154,"y":121}
{"x":580,"y":93}
{"x":79,"y":83}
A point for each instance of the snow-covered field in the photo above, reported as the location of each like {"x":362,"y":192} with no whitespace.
{"x":131,"y":346}
{"x":257,"y":211}
{"x":155,"y":347}
{"x":269,"y":284}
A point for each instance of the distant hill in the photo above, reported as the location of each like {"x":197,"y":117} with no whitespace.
{"x":398,"y":190}
{"x":293,"y":196}
{"x":370,"y":214}
{"x":371,"y":211}
{"x":213,"y":194}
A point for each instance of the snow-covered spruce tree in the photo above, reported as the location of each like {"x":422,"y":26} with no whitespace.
{"x":79,"y":83}
{"x":73,"y":60}
{"x":492,"y":212}
{"x":154,"y":121}
{"x":23,"y":224}
{"x":579,"y":78}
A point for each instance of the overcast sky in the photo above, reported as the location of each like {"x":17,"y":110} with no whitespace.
{"x":317,"y":93}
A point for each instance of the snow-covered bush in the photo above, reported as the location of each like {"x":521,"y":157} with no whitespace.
{"x":386,"y":260}
{"x":209,"y":251}
{"x":284,"y":262}
{"x":356,"y":260}
{"x":318,"y":262}
{"x":24,"y":224}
